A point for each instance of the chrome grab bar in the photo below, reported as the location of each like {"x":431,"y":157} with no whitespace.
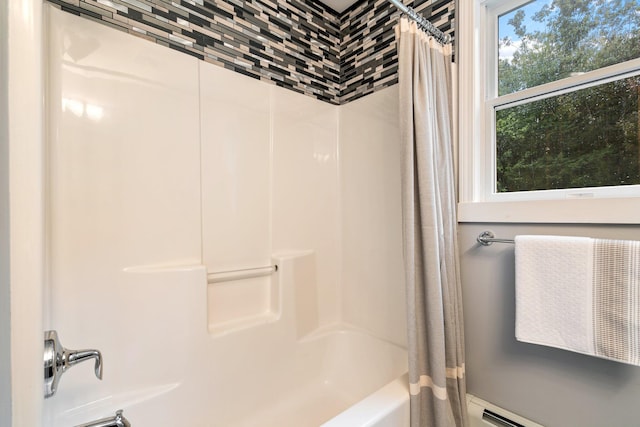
{"x":118,"y":421}
{"x":247,"y":273}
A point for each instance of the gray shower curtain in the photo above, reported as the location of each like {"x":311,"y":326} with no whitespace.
{"x":434,"y":305}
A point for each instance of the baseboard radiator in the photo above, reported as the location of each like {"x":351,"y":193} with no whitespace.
{"x":485,"y":414}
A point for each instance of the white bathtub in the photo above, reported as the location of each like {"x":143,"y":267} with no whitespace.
{"x":356,"y":379}
{"x":339,"y":378}
{"x":335,"y":376}
{"x":386,"y":407}
{"x":281,"y":371}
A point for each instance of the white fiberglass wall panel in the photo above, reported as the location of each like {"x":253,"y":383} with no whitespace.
{"x":305,"y":198}
{"x":235,"y":170}
{"x":124,"y":163}
{"x":123,"y":212}
{"x":236,"y":195}
{"x":373,"y":289}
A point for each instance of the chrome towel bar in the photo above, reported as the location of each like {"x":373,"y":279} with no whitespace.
{"x":486,"y":238}
{"x":247,"y":273}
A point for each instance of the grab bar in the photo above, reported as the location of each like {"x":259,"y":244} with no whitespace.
{"x":486,"y":238}
{"x":118,"y":421}
{"x":247,"y":273}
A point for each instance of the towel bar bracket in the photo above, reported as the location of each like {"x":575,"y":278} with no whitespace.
{"x":486,"y":238}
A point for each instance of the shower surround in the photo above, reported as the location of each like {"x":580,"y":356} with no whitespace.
{"x":162,"y":171}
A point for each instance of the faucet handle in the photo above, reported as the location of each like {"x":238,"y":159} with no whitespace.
{"x":74,"y":357}
{"x":58,"y":359}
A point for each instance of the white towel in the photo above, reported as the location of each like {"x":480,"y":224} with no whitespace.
{"x":579,"y":294}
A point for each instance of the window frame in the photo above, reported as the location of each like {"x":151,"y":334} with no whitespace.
{"x":478,"y":70}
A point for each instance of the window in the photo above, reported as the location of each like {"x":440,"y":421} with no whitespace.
{"x":553,"y":90}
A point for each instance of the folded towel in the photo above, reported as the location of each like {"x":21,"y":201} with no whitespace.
{"x":579,"y":294}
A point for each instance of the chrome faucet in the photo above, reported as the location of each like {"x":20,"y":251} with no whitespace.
{"x":118,"y":421}
{"x":58,"y":359}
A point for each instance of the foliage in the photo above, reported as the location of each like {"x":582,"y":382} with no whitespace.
{"x":589,"y":137}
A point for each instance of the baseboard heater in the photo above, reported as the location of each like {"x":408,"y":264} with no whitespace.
{"x":485,"y":414}
{"x":498,"y":420}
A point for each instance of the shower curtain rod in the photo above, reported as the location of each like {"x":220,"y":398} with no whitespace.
{"x":422,"y":22}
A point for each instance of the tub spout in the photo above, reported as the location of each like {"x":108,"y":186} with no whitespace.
{"x":118,"y":421}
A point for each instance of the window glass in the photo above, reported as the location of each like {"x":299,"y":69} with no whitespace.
{"x":547,"y":40}
{"x":585,"y":138}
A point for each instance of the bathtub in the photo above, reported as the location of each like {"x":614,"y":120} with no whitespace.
{"x":339,"y":378}
{"x":330,"y":376}
{"x":281,"y":369}
{"x":357,"y":380}
{"x":386,"y":407}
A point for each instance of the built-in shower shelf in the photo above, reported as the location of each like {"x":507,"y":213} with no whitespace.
{"x":242,"y":298}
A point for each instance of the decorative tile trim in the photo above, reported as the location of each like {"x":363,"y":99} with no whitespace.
{"x":294,"y":44}
{"x":368,"y":54}
{"x":301,"y":45}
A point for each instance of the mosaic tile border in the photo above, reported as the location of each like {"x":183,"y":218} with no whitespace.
{"x":293,"y":44}
{"x":368,"y":53}
{"x":301,"y":45}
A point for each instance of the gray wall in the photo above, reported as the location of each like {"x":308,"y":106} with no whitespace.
{"x":554,"y":387}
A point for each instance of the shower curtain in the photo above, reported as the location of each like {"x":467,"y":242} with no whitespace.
{"x":434,"y":305}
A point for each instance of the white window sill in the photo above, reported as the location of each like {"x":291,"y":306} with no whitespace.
{"x":572,"y":211}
